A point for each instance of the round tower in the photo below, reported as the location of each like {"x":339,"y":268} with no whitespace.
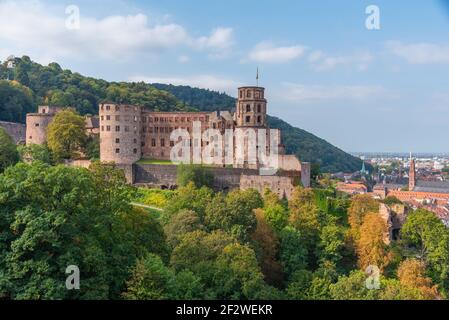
{"x":120,"y":133}
{"x":251,"y":107}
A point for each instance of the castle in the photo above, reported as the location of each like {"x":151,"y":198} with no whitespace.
{"x":130,"y":133}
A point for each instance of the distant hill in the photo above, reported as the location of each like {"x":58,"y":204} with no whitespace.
{"x":36,"y":84}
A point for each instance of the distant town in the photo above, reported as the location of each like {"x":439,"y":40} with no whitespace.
{"x":419,"y":180}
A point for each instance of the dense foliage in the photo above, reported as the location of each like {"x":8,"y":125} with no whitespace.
{"x":204,"y":245}
{"x":8,"y":150}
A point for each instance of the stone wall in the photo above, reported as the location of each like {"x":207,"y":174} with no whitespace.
{"x":164,"y":176}
{"x":283,"y":186}
{"x":17,"y":131}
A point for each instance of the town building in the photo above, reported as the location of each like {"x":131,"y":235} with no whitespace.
{"x":429,"y":195}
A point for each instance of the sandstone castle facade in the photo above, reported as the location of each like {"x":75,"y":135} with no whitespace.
{"x":129,"y":133}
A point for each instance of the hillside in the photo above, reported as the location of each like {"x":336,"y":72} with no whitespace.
{"x":35,"y":84}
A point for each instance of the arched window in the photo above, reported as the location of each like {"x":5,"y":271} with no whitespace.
{"x":259,"y":119}
{"x":248,"y":108}
{"x":248,"y":94}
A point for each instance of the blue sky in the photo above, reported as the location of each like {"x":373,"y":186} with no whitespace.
{"x":324,"y":71}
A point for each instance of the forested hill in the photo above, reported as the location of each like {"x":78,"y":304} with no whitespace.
{"x":305,"y":145}
{"x":33,"y":84}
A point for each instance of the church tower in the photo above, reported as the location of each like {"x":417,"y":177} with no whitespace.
{"x":251,"y":107}
{"x":412,"y":175}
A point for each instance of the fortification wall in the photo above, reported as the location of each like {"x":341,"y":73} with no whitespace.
{"x":225,"y":179}
{"x":166,"y":176}
{"x":283,"y":186}
{"x":17,"y":131}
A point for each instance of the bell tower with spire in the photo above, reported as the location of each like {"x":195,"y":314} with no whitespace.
{"x":412,"y":174}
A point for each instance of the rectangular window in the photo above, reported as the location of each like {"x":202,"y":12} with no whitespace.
{"x":117,"y":140}
{"x":36,"y":124}
{"x":135,"y":151}
{"x":117,"y":128}
{"x":162,"y":142}
{"x":153,"y":142}
{"x":117,"y":118}
{"x":108,"y":117}
{"x":108,"y":128}
{"x":117,"y":150}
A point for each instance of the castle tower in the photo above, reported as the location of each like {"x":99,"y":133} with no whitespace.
{"x":37,"y":123}
{"x":251,"y":107}
{"x":412,"y":175}
{"x":120,"y":133}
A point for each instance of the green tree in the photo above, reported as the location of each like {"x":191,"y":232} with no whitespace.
{"x":353,"y":287}
{"x":180,"y":224}
{"x":66,"y":135}
{"x":237,"y":274}
{"x":8,"y":151}
{"x":189,"y":198}
{"x":234,"y":213}
{"x":428,"y":237}
{"x":93,"y":147}
{"x":53,"y":217}
{"x":187,"y":286}
{"x":36,"y":152}
{"x":196,"y":174}
{"x":332,"y":243}
{"x":198,"y":252}
{"x":150,"y":280}
{"x":293,"y":253}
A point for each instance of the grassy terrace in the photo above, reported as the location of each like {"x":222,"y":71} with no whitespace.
{"x":152,"y":161}
{"x":168,"y":162}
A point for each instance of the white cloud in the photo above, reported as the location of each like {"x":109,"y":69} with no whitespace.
{"x":300,"y":93}
{"x":420,"y":53}
{"x":323,"y":62}
{"x":268,"y":53}
{"x":200,"y":81}
{"x":219,"y":39}
{"x":183,"y":59}
{"x":29,"y":27}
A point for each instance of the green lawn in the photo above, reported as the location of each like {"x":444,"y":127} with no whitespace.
{"x":152,"y":161}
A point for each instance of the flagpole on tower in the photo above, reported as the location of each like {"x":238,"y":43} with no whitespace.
{"x":257,"y":76}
